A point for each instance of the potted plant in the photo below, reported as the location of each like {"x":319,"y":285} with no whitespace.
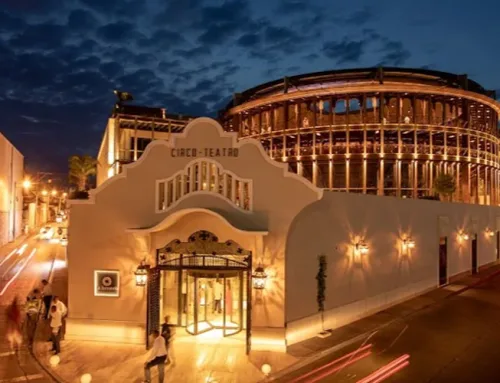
{"x":321,"y":293}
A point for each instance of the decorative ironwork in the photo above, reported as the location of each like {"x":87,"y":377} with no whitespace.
{"x":153,"y":318}
{"x":203,"y":250}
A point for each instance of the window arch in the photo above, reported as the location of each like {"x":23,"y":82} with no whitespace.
{"x":204,"y":176}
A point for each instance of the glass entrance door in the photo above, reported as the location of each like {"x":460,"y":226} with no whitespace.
{"x":214,"y":302}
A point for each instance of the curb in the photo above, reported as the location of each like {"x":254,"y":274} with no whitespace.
{"x":321,"y":354}
{"x":50,"y":373}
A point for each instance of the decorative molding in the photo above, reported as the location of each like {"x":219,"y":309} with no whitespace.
{"x":176,"y":215}
{"x":196,"y":173}
{"x":184,"y":135}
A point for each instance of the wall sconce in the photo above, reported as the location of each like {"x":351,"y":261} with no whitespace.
{"x":463,"y":236}
{"x":360,"y":248}
{"x":141,"y":274}
{"x":259,"y":277}
{"x":489,"y":233}
{"x":407,"y":244}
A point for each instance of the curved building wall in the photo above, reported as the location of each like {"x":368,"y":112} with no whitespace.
{"x":391,"y":138}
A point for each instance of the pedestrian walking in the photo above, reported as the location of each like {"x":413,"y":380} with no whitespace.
{"x":47,"y":296}
{"x":13,"y":332}
{"x":32,"y":309}
{"x":168,"y":332}
{"x":157,"y":357}
{"x":55,"y":327}
{"x":61,"y":307}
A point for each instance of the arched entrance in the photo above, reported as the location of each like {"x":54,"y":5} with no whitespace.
{"x":203,"y":285}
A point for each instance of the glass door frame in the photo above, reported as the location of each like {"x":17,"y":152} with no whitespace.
{"x":182,"y":264}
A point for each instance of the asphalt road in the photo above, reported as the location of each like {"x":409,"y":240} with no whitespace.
{"x":22,"y":267}
{"x":456,"y":341}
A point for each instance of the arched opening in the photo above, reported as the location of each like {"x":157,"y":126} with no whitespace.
{"x":203,"y":285}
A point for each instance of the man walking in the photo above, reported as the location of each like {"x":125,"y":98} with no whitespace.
{"x":55,"y":327}
{"x":47,"y":296}
{"x":217,"y":296}
{"x":61,"y":307}
{"x":157,"y":357}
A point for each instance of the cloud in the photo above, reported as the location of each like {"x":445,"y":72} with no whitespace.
{"x":345,"y":51}
{"x":360,"y":17}
{"x":394,"y":53}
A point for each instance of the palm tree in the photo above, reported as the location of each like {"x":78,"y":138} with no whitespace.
{"x":445,"y":185}
{"x":80,"y":168}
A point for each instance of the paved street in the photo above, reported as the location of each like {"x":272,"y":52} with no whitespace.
{"x":453,"y":341}
{"x":22,"y":266}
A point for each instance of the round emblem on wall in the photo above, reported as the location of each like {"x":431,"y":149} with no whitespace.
{"x":107,"y":281}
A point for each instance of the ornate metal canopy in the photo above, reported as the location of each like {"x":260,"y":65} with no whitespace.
{"x":203,"y":250}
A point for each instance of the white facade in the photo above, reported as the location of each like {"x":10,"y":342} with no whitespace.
{"x":11,"y":193}
{"x":204,"y":184}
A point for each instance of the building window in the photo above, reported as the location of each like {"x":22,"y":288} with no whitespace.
{"x":204,"y":176}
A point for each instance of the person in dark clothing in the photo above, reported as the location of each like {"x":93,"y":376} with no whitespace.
{"x":167,"y":332}
{"x":47,"y":296}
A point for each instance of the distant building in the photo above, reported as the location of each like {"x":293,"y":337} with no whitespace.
{"x":11,"y":193}
{"x":128,"y":131}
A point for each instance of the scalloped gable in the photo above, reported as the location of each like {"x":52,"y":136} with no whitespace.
{"x":204,"y":138}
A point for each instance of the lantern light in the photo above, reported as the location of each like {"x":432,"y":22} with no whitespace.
{"x":360,"y":248}
{"x":489,"y":233}
{"x":408,"y":243}
{"x":463,"y":236}
{"x":141,"y":274}
{"x":259,"y":277}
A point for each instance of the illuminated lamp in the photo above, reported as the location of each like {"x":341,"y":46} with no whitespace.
{"x":489,"y":233}
{"x":408,"y":244}
{"x":54,"y":360}
{"x":141,"y":274}
{"x":259,"y":277}
{"x":463,"y":236}
{"x":359,"y":249}
{"x":86,"y":378}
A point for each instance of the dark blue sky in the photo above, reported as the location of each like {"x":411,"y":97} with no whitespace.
{"x":61,"y":59}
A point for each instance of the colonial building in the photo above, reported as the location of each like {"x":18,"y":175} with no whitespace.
{"x":213,"y":232}
{"x":11,"y":192}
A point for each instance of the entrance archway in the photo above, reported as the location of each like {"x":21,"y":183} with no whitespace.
{"x":203,"y":285}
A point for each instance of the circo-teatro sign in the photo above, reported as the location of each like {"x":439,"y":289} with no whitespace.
{"x":204,"y":152}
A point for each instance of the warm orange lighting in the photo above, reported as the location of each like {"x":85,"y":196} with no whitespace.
{"x":463,"y":236}
{"x":45,"y":192}
{"x":359,"y":249}
{"x":489,"y":233}
{"x":407,"y":244}
{"x":27,"y":184}
{"x":53,"y":193}
{"x":65,"y":195}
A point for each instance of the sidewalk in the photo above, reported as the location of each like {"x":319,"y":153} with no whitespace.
{"x":223,"y":361}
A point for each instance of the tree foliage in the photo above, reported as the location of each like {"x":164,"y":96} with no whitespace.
{"x":81,"y":167}
{"x":321,"y":282}
{"x":445,"y":185}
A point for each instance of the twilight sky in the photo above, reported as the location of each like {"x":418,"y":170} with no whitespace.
{"x":61,"y":59}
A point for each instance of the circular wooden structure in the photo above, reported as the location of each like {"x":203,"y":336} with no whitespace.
{"x":384,"y":131}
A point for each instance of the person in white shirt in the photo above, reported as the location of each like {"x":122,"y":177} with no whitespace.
{"x":61,"y":307}
{"x":157,"y":357}
{"x":55,"y":327}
